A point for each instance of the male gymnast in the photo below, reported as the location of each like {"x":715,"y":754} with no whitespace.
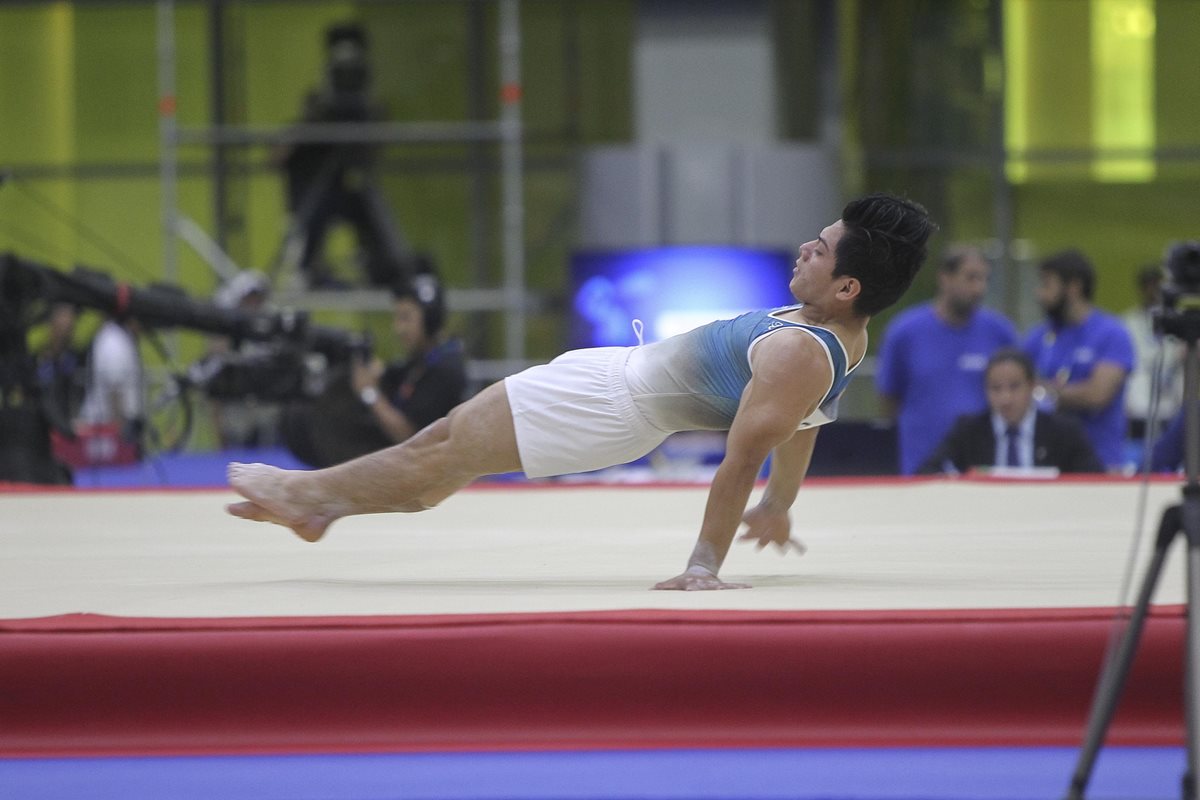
{"x":770,"y":378}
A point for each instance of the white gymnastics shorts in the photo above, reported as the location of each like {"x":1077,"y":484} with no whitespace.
{"x":575,"y":414}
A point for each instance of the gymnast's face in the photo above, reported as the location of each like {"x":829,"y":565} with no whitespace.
{"x":812,"y":277}
{"x":1009,"y":391}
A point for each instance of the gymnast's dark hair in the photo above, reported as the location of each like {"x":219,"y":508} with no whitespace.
{"x":883,"y":246}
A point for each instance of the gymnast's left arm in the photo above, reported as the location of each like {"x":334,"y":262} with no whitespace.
{"x":769,"y":521}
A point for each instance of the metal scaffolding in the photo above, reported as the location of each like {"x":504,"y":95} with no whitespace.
{"x":511,"y":297}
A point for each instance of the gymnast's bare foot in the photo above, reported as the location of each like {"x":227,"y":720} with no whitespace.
{"x":278,"y":495}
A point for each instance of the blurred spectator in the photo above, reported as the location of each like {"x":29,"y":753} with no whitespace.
{"x":931,"y":364}
{"x":112,"y":415}
{"x":1139,"y":322}
{"x":1013,"y":432}
{"x":1168,"y":454}
{"x":372,"y":406}
{"x":61,"y":367}
{"x":1083,"y":356}
{"x":247,"y":422}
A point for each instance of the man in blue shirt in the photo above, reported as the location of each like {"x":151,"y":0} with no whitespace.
{"x":1083,"y":355}
{"x":931,"y":365}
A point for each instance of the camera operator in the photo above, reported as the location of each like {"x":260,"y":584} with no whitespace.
{"x":327,"y":181}
{"x":61,"y":366}
{"x":39,"y":393}
{"x":370,"y":406}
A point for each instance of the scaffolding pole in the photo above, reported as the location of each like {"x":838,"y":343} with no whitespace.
{"x":169,"y":157}
{"x":512,"y":190}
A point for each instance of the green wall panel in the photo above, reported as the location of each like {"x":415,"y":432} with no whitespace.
{"x":116,"y":94}
{"x":1120,"y":228}
{"x":37,"y":107}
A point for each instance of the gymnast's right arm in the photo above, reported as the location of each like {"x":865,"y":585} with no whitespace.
{"x":789,"y":377}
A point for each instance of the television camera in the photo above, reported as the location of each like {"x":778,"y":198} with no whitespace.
{"x":1179,"y":314}
{"x":289,"y":365}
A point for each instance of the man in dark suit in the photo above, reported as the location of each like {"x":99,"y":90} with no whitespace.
{"x":1013,"y":432}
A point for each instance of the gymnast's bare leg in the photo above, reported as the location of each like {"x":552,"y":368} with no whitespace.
{"x":475,"y":439}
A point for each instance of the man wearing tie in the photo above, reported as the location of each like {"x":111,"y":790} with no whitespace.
{"x":1013,"y":432}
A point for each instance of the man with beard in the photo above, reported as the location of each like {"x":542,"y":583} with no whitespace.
{"x":1083,"y":355}
{"x":933,"y":356}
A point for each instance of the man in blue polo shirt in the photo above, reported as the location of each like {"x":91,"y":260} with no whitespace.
{"x":931,"y":365}
{"x":1083,"y":355}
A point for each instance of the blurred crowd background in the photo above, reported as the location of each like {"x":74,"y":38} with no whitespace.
{"x":533,"y":162}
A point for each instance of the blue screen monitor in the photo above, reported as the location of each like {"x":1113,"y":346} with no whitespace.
{"x":671,"y":290}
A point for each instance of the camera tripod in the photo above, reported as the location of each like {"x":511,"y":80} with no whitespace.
{"x":341,"y":188}
{"x":1179,"y":519}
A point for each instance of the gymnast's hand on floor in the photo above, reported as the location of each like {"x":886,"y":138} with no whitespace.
{"x":698,"y":579}
{"x":766,"y":526}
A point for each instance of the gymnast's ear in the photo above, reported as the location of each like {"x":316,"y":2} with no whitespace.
{"x":848,"y":287}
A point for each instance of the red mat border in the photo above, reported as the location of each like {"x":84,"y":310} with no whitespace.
{"x":94,"y":685}
{"x":94,"y":623}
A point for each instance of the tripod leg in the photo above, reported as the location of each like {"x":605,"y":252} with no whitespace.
{"x":1116,"y":669}
{"x":297,"y":240}
{"x":1191,"y":528}
{"x":389,"y":256}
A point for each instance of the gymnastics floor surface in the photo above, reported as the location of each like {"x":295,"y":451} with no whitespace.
{"x":939,"y":639}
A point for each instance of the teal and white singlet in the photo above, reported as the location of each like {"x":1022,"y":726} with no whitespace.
{"x":695,"y":380}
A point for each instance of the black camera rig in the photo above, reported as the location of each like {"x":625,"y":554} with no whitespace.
{"x":282,"y":369}
{"x":1180,"y":311}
